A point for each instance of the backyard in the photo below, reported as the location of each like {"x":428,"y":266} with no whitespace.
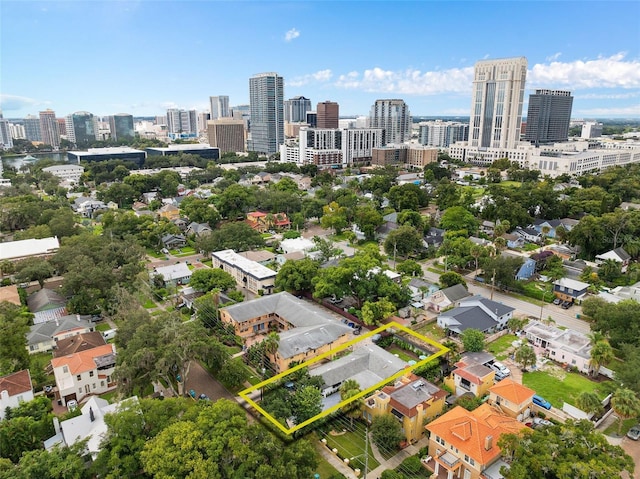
{"x":430,"y":330}
{"x":500,"y":346}
{"x":558,"y":386}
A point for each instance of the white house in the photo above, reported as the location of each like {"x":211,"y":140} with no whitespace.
{"x":178,"y":273}
{"x":69,"y":172}
{"x":87,"y":372}
{"x":297,"y":244}
{"x":248,"y":274}
{"x":15,"y":388}
{"x":476,"y":313}
{"x":619,"y":255}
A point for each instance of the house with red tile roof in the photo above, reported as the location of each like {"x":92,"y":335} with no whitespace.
{"x":470,"y":377}
{"x":15,"y":388}
{"x":84,"y":373}
{"x":463,"y":444}
{"x":263,"y":222}
{"x":411,"y":400}
{"x":512,"y":398}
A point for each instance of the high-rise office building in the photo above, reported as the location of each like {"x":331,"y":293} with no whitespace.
{"x":591,"y":129}
{"x":496,"y":103}
{"x":394,"y":118}
{"x":219,"y":107}
{"x":203,"y":117}
{"x":32,"y":128}
{"x":17,"y":131}
{"x":81,"y":128}
{"x":266,"y":95}
{"x":296,"y":108}
{"x":6,"y":141}
{"x":227,"y":134}
{"x":121,"y":126}
{"x":442,"y":133}
{"x":328,"y":114}
{"x":548,"y":116}
{"x":182,"y":121}
{"x":50,"y":128}
{"x":62,"y":127}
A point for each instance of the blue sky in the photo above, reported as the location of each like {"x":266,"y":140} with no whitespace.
{"x":143,"y":57}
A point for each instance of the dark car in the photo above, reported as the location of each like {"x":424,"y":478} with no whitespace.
{"x":565,"y":304}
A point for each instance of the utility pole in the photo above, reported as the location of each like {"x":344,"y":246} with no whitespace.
{"x":366,"y":451}
{"x":493,"y":283}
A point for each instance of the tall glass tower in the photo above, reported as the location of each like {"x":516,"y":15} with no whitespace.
{"x":266,"y":95}
{"x":548,"y":116}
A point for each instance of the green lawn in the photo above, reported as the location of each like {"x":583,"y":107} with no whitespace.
{"x":103,"y":327}
{"x":500,"y":345}
{"x":109,"y":396}
{"x":96,"y":230}
{"x":154,"y":254}
{"x":430,"y":330}
{"x":400,"y":353}
{"x":513,"y":184}
{"x":351,"y":444}
{"x":564,"y":388}
{"x":207,"y":262}
{"x":626,"y":425}
{"x":186,"y":251}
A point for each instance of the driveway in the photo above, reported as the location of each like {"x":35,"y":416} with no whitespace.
{"x":202,"y":382}
{"x":633,"y":449}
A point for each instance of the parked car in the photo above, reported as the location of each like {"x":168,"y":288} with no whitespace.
{"x":72,"y":405}
{"x":634,"y":432}
{"x":500,"y":368}
{"x":565,"y":305}
{"x":538,"y":421}
{"x":557,"y":301}
{"x":540,"y":401}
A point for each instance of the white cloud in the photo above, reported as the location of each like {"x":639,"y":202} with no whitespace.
{"x":608,"y":96}
{"x":554,"y":57}
{"x":321,"y":76}
{"x":16,"y":102}
{"x":631,"y":111}
{"x":603,"y":72}
{"x":291,"y":35}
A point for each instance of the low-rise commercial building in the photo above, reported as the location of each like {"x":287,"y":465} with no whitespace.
{"x":248,"y":274}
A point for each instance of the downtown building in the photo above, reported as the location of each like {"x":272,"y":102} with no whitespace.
{"x":32,"y":128}
{"x":219,"y":107}
{"x":266,"y":96}
{"x":6,"y":141}
{"x":296,"y":108}
{"x":441,"y":134}
{"x":408,"y":155}
{"x":328,"y":114}
{"x":548,"y":116}
{"x":182,"y":123}
{"x":81,"y":128}
{"x":394,"y":118}
{"x":227,"y":134}
{"x":121,"y":126}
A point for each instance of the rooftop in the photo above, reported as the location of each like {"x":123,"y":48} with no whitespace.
{"x":84,"y":360}
{"x":107,"y":151}
{"x":78,"y":343}
{"x":16,"y":383}
{"x":512,"y":391}
{"x":28,"y":247}
{"x":249,"y":267}
{"x":174,"y":271}
{"x":188,"y":146}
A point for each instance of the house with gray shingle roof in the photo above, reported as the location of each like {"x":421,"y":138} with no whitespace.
{"x":46,"y":305}
{"x":44,"y":336}
{"x":476,"y":313}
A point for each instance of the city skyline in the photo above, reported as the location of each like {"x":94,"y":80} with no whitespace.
{"x":128,"y":66}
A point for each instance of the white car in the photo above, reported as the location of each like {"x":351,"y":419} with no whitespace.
{"x":500,"y":368}
{"x":72,"y":405}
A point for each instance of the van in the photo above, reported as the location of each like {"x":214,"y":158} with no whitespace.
{"x":109,"y":334}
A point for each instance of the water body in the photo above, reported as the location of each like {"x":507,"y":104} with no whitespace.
{"x":18,"y":161}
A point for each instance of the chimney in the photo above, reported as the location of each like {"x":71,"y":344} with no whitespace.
{"x":93,"y":417}
{"x":56,"y":425}
{"x":488,"y":443}
{"x":78,"y":317}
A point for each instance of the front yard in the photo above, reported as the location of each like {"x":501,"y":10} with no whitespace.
{"x":558,"y":386}
{"x":430,"y":330}
{"x":500,"y":346}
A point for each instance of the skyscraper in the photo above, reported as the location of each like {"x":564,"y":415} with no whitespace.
{"x":394,"y":118}
{"x":81,"y":128}
{"x":32,"y":128}
{"x":182,"y":121}
{"x":496,"y":104}
{"x":6,"y":141}
{"x":548,"y":116}
{"x":266,"y":95}
{"x":219,"y":107}
{"x":49,"y":128}
{"x":442,"y":133}
{"x":121,"y":126}
{"x":296,"y":108}
{"x":227,"y":134}
{"x":328,"y":114}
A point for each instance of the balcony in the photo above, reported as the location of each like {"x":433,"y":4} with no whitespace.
{"x":449,"y":460}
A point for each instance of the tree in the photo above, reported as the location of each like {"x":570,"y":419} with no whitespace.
{"x":235,"y":201}
{"x":625,"y":404}
{"x":525,"y":356}
{"x":57,"y":463}
{"x":34,"y":269}
{"x":205,"y":280}
{"x":472,"y":340}
{"x":516,"y":324}
{"x":411,"y":218}
{"x":571,"y":450}
{"x":368,"y":220}
{"x":589,"y":402}
{"x":409,"y":268}
{"x":269,"y":345}
{"x":334,"y":216}
{"x":307,"y":403}
{"x":349,"y":389}
{"x":408,"y":197}
{"x":630,"y":374}
{"x":374,"y":312}
{"x":458,"y":218}
{"x":233,"y":373}
{"x":610,"y":270}
{"x":236,"y":236}
{"x":326,"y":248}
{"x":501,"y":270}
{"x":601,"y":355}
{"x":386,"y":432}
{"x":451,"y":278}
{"x":297,"y":275}
{"x":14,"y":324}
{"x":402,"y":242}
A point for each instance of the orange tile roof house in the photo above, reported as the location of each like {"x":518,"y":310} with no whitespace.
{"x":87,"y":372}
{"x":463,"y":444}
{"x":14,"y":389}
{"x":10,"y":294}
{"x":262,"y":222}
{"x":470,"y":377}
{"x":512,"y":398}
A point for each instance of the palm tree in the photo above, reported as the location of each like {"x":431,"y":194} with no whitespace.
{"x":453,"y":355}
{"x":625,"y":404}
{"x":601,"y":355}
{"x":500,"y":244}
{"x":269,"y":345}
{"x":476,"y":251}
{"x":545,"y":231}
{"x":525,"y":356}
{"x":348,"y":389}
{"x":589,"y":402}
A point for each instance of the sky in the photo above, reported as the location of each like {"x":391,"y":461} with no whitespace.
{"x":142,"y":57}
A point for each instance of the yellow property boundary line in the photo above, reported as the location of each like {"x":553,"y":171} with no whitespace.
{"x":246,"y":393}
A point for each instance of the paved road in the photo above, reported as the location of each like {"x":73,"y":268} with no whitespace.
{"x":566,"y":318}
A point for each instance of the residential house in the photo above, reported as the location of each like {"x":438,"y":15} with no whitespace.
{"x":512,"y":398}
{"x":626,"y":206}
{"x":464,"y":444}
{"x":476,"y":313}
{"x":420,"y":288}
{"x":570,"y":290}
{"x":46,"y":305}
{"x":181,"y":223}
{"x":15,"y":389}
{"x":446,"y":298}
{"x":619,"y":255}
{"x":174,"y":274}
{"x":564,"y":346}
{"x":526,"y":270}
{"x":550,"y":226}
{"x":434,"y":237}
{"x":198,"y":229}
{"x":565,"y":251}
{"x":470,"y":377}
{"x":169,"y":212}
{"x":264,"y":222}
{"x":43,"y":337}
{"x":290,"y":245}
{"x":412,"y":400}
{"x":173,"y":241}
{"x":77,"y":343}
{"x":87,"y":207}
{"x":392,"y":275}
{"x":620,"y":293}
{"x":306,"y":330}
{"x":530,"y":235}
{"x":112,"y":205}
{"x":139,"y":205}
{"x":390,"y":224}
{"x":248,"y":274}
{"x":150,"y":196}
{"x":262,"y":257}
{"x":293,"y":256}
{"x":88,"y":425}
{"x":10,"y":294}
{"x":487,"y":227}
{"x":85,"y":373}
{"x":480,"y":241}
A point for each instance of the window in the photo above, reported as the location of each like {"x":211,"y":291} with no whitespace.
{"x":101,"y":384}
{"x":80,"y":390}
{"x":79,"y":377}
{"x":90,"y":374}
{"x":65,"y":369}
{"x":93,"y":385}
{"x":469,"y":460}
{"x":439,"y":440}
